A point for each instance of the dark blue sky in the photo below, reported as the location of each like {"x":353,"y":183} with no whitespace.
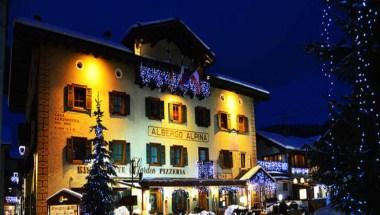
{"x":258,"y":41}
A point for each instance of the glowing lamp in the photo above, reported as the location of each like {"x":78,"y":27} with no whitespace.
{"x":295,"y":181}
{"x":280,"y":197}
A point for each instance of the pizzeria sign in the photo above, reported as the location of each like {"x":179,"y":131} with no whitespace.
{"x":154,"y":131}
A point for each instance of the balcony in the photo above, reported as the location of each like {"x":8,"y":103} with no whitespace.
{"x":205,"y":169}
{"x":274,"y":166}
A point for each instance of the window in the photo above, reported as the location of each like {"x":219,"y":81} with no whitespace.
{"x":224,"y":121}
{"x":242,"y":124}
{"x":242,"y":160}
{"x":119,"y":103}
{"x":155,"y":200}
{"x":203,"y":154}
{"x":177,"y":113}
{"x":298,"y":160}
{"x":154,"y":108}
{"x":179,"y":201}
{"x":78,"y":97}
{"x":178,"y":156}
{"x":155,"y":154}
{"x":202,"y":116}
{"x":277,"y":157}
{"x":226,"y":159}
{"x":78,"y":149}
{"x":120,"y":151}
{"x":285,"y":187}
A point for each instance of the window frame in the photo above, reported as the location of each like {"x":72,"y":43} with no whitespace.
{"x":182,"y":112}
{"x":183,"y":160}
{"x":154,"y":108}
{"x":207,"y":153}
{"x":161,"y":154}
{"x":70,"y":152}
{"x":202,"y":116}
{"x":223,"y":161}
{"x":228,"y":121}
{"x":124,"y":103}
{"x":245,"y":124}
{"x":125,"y":145}
{"x":70,"y":98}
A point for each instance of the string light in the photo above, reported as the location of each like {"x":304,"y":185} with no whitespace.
{"x":205,"y":169}
{"x":274,"y":166}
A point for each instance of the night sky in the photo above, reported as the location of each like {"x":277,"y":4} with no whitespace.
{"x":258,"y":41}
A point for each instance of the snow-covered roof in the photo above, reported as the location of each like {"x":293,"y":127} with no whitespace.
{"x":73,"y":193}
{"x":239,"y":82}
{"x":73,"y":34}
{"x":288,"y":142}
{"x":253,"y":171}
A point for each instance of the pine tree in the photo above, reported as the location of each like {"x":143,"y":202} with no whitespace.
{"x":97,"y":196}
{"x":348,"y":155}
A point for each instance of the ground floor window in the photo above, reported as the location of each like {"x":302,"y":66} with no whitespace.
{"x":179,"y":201}
{"x":155,"y":200}
{"x":228,"y":196}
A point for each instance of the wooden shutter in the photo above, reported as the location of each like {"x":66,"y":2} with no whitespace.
{"x":88,"y":98}
{"x":229,"y":160}
{"x":147,"y":107}
{"x":111,"y":101}
{"x":171,"y":155}
{"x":228,"y":121}
{"x":88,"y":149}
{"x":127,"y":104}
{"x":70,"y":96}
{"x":198,"y":116}
{"x":162,"y":154}
{"x":246,"y":129}
{"x":207,"y":119}
{"x":69,"y":150}
{"x":183,"y":114}
{"x":170,"y":105}
{"x":148,"y":154}
{"x":219,"y":120}
{"x":185,"y":156}
{"x":162,"y":107}
{"x":221,"y":159}
{"x":128,"y":153}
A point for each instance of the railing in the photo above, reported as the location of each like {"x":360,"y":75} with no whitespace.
{"x":274,"y":166}
{"x":205,"y":169}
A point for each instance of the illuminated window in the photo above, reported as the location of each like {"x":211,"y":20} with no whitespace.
{"x":202,"y":116}
{"x":224,"y":121}
{"x":178,"y":156}
{"x":155,"y":154}
{"x":177,"y":113}
{"x":203,"y":154}
{"x":78,"y":97}
{"x":119,"y":103}
{"x":154,"y":108}
{"x":78,"y":149}
{"x":298,"y":160}
{"x":226,"y":161}
{"x":120,"y":151}
{"x":242,"y":123}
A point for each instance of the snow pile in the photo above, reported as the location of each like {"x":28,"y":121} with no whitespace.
{"x":230,"y":209}
{"x":121,"y":211}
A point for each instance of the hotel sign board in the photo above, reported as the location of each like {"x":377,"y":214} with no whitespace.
{"x":195,"y":136}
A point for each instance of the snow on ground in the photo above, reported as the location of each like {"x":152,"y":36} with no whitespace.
{"x":327,"y":211}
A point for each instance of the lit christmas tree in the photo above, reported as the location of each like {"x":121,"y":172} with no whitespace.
{"x":348,"y":156}
{"x":97,"y":196}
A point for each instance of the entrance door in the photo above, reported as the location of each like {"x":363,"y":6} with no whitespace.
{"x":155,"y":200}
{"x":203,"y":200}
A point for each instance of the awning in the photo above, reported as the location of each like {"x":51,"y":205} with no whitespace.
{"x":190,"y":182}
{"x":64,"y":196}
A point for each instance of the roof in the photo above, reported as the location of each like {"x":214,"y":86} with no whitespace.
{"x":174,"y":30}
{"x":250,"y":89}
{"x":68,"y":191}
{"x":253,"y":171}
{"x":288,"y":142}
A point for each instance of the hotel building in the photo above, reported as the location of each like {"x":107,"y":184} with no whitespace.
{"x":189,"y":134}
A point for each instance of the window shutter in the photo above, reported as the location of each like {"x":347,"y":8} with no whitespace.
{"x":229,"y":121}
{"x":88,"y":149}
{"x":198,"y":115}
{"x":221,"y":159}
{"x":127,"y":104}
{"x":69,"y":150}
{"x":162,"y":107}
{"x":170,"y":112}
{"x":184,"y":114}
{"x":207,"y":158}
{"x":128,"y":152}
{"x":162,"y":157}
{"x":70,"y":96}
{"x":147,"y":107}
{"x":219,"y":120}
{"x":171,"y":155}
{"x":148,"y":154}
{"x":185,"y":157}
{"x":229,"y":160}
{"x":88,"y":98}
{"x":111,"y":98}
{"x":246,"y":129}
{"x":206,"y":119}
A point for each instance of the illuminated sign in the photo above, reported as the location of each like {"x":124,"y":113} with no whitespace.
{"x":64,"y":209}
{"x":274,"y":166}
{"x":300,"y":171}
{"x":82,"y":169}
{"x":12,"y":200}
{"x":177,"y":134}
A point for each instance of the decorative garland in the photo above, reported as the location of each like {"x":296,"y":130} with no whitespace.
{"x":205,"y":169}
{"x":274,"y":166}
{"x":263,"y":180}
{"x":175,"y":83}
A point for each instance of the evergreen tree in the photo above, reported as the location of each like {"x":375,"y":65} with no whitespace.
{"x":97,"y":196}
{"x":348,"y":155}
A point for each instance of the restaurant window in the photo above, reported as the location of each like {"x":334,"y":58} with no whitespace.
{"x":178,"y":156}
{"x":78,"y":97}
{"x":203,"y":154}
{"x":202,"y":116}
{"x":119,"y":103}
{"x":78,"y":149}
{"x":154,"y":108}
{"x":179,"y":201}
{"x":298,"y":160}
{"x":242,"y":124}
{"x":227,"y":197}
{"x":177,"y":113}
{"x":226,"y":161}
{"x":155,"y":154}
{"x":224,"y":121}
{"x":242,"y":160}
{"x":120,"y":151}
